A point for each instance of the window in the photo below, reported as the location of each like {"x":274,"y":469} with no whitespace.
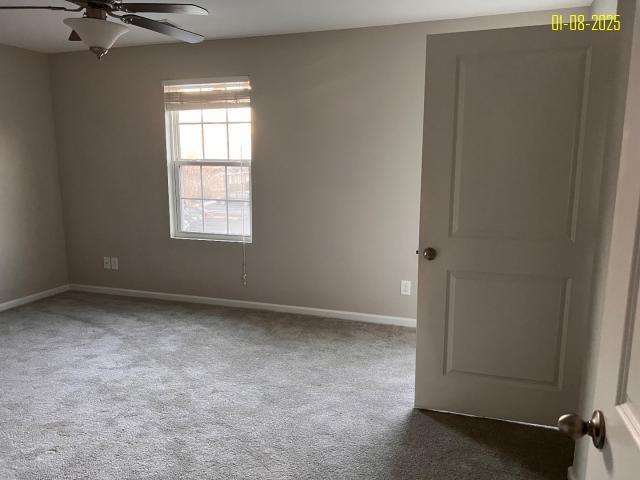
{"x":209,"y":159}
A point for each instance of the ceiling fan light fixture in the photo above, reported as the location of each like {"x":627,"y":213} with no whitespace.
{"x":99,"y":35}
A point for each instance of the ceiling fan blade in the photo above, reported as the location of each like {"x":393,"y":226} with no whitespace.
{"x":42,"y":8}
{"x":165,"y":28}
{"x":187,"y":9}
{"x":74,"y":37}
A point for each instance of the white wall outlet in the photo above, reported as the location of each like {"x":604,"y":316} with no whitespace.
{"x":405,"y":287}
{"x":115,"y":264}
{"x":106,"y":263}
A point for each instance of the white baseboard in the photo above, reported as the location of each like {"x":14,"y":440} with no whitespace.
{"x":32,"y":298}
{"x":273,"y":307}
{"x":571,"y":474}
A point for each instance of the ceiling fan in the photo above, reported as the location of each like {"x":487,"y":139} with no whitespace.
{"x":99,"y":34}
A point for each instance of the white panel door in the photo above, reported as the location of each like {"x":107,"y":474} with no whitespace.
{"x":618,"y":369}
{"x":513,"y":140}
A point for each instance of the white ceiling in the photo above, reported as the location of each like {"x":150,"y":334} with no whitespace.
{"x":44,"y":31}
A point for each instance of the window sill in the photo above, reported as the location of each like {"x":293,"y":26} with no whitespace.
{"x":211,"y":238}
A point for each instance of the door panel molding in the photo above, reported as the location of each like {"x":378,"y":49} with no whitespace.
{"x":561,"y":288}
{"x":631,"y":418}
{"x":582,"y":57}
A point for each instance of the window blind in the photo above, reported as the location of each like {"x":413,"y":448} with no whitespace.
{"x":207,"y":96}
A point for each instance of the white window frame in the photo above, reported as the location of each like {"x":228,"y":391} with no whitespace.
{"x":172,"y":125}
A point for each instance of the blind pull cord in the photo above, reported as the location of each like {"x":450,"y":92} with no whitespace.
{"x":244,"y":238}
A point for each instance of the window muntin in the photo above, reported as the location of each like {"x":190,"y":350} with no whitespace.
{"x":209,"y":145}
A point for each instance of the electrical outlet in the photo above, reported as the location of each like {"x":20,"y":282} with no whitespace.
{"x":115,"y":263}
{"x":405,"y":287}
{"x":106,"y":263}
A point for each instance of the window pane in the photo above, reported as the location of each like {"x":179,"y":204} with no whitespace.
{"x":239,"y":218}
{"x":215,"y":142}
{"x":213,"y":182}
{"x":240,"y":141}
{"x":191,"y":142}
{"x":238,"y":183}
{"x":189,"y":116}
{"x":242,"y":114}
{"x":191,"y":215}
{"x":215,"y":115}
{"x":190,"y":184}
{"x":215,"y":217}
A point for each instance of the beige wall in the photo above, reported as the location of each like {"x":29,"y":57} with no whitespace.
{"x":601,"y":7}
{"x":32,"y":246}
{"x":337,"y":153}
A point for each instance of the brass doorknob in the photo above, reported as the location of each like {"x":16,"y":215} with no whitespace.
{"x":430,"y":253}
{"x":573,"y":426}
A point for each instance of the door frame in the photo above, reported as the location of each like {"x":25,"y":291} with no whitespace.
{"x":613,"y":322}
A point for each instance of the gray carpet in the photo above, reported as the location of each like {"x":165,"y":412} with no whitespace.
{"x":98,"y":387}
